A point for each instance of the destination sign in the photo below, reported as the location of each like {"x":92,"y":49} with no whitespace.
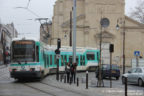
{"x":23,"y":42}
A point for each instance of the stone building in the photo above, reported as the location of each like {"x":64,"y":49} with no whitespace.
{"x":7,"y":32}
{"x":45,"y":32}
{"x":89,"y":15}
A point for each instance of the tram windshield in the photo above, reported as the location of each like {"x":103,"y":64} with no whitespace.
{"x":23,"y":51}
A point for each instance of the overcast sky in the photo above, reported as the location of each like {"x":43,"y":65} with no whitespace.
{"x":43,"y":8}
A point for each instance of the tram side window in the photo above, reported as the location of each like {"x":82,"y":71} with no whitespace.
{"x":90,"y":56}
{"x":70,"y":59}
{"x":47,"y":59}
{"x":62,"y":62}
{"x":37,"y":53}
{"x":50,"y":59}
{"x":98,"y":57}
{"x":77,"y":60}
{"x":44,"y":59}
{"x":65,"y":59}
{"x":81,"y":60}
{"x":55,"y":60}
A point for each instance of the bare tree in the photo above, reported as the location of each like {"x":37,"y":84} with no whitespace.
{"x":138,"y":12}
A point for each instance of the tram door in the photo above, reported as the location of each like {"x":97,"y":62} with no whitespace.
{"x":71,"y":59}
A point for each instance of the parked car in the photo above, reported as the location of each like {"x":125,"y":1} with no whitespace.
{"x":105,"y":71}
{"x":134,"y":76}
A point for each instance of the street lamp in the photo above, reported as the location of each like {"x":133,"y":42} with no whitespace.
{"x":118,"y":27}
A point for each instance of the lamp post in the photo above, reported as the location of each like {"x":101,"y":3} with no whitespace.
{"x":117,"y":27}
{"x":70,"y":42}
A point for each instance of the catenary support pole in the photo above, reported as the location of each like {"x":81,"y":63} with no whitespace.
{"x":74,"y":31}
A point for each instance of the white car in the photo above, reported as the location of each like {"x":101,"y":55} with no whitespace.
{"x":134,"y":76}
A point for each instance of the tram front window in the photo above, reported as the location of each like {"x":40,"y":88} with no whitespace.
{"x":23,"y":51}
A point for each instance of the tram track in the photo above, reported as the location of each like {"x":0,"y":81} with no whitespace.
{"x":37,"y":89}
{"x":48,"y":89}
{"x":67,"y":90}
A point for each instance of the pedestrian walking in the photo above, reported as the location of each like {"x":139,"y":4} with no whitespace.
{"x":67,"y":70}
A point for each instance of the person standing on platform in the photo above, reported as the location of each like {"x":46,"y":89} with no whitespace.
{"x":67,"y":69}
{"x":73,"y":72}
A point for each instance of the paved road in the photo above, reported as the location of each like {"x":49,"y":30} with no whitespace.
{"x":50,"y":87}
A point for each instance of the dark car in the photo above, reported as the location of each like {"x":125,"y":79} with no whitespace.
{"x":105,"y":71}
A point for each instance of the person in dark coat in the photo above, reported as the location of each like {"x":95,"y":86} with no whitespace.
{"x":73,"y":72}
{"x":67,"y":69}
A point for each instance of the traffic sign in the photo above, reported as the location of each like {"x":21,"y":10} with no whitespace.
{"x":137,"y":53}
{"x":58,"y":56}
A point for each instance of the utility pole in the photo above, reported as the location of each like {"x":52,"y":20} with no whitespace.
{"x":111,"y":50}
{"x":70,"y":42}
{"x":99,"y":76}
{"x":74,"y":31}
{"x":117,"y":27}
{"x":124,"y":47}
{"x":104,"y":22}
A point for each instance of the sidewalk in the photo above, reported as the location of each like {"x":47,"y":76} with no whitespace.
{"x":3,"y":66}
{"x":92,"y":90}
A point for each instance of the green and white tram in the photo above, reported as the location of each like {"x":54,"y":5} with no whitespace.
{"x":31,"y":58}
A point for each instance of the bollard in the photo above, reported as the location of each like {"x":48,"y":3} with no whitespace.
{"x":61,"y":78}
{"x":86,"y":79}
{"x":125,"y":86}
{"x":74,"y":76}
{"x":70,"y":80}
{"x":77,"y":81}
{"x":64,"y":78}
